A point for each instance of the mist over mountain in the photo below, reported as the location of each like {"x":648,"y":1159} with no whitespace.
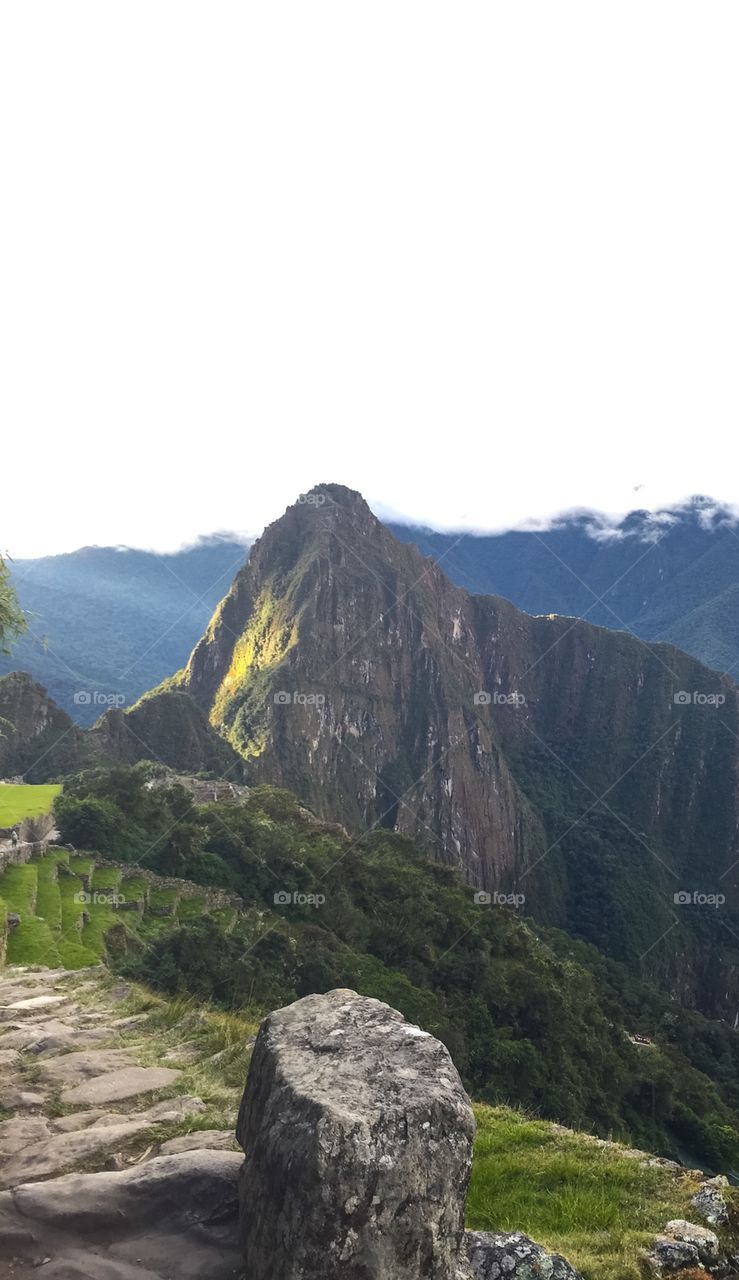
{"x":670,"y":575}
{"x":108,"y":623}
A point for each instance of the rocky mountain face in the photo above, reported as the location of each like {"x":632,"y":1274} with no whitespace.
{"x":577,"y":767}
{"x":39,"y":741}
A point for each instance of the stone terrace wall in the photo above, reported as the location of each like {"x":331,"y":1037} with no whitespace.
{"x":22,"y":853}
{"x":217,"y":899}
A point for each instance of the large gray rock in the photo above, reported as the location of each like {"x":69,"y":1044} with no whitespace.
{"x":358,"y":1139}
{"x":496,"y":1255}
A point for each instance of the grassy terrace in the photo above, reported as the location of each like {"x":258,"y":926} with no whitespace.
{"x":64,"y":924}
{"x":18,"y":802}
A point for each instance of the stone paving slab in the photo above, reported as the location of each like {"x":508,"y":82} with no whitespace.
{"x":115,"y":1086}
{"x":75,"y":1068}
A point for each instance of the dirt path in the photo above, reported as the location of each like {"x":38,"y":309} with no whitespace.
{"x":107,"y":1103}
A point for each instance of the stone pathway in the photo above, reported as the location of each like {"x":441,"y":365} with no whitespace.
{"x":101,"y":1114}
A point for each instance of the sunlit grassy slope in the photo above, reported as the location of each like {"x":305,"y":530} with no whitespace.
{"x":593,"y":1202}
{"x":58,"y":929}
{"x":18,"y":802}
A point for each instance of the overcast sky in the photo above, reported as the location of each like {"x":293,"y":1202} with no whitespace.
{"x":478,"y":260}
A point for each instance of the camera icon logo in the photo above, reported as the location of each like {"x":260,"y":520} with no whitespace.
{"x":482,"y":898}
{"x":482,"y":698}
{"x":682,"y":698}
{"x":682,"y":898}
{"x":82,"y":698}
{"x":283,"y":898}
{"x":282,"y":699}
{"x":82,"y":898}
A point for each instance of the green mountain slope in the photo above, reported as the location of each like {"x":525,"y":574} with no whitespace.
{"x":530,"y":1016}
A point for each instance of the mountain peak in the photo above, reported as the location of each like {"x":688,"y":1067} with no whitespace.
{"x":338,"y":495}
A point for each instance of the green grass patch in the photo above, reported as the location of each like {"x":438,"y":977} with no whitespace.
{"x":101,"y":919}
{"x":163,"y":897}
{"x":105,"y":878}
{"x":33,"y":943}
{"x":596,"y":1206}
{"x":20,"y":801}
{"x":69,"y":888}
{"x":190,"y":908}
{"x":74,"y":955}
{"x":19,"y":888}
{"x":48,"y":898}
{"x":81,"y":864}
{"x":134,"y":889}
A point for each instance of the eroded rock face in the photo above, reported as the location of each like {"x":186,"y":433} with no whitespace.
{"x":358,"y":1138}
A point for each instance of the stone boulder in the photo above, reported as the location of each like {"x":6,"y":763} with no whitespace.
{"x":513,"y":1256}
{"x":706,"y":1242}
{"x":684,"y":1245}
{"x":358,"y":1139}
{"x":710,"y":1201}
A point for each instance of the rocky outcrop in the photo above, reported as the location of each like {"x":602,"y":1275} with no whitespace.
{"x":176,"y":1215}
{"x":358,"y":1139}
{"x":683,"y":1246}
{"x":711,"y":1202}
{"x":513,"y":1256}
{"x":39,"y":741}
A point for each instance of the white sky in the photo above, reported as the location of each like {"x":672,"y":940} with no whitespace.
{"x":478,"y":260}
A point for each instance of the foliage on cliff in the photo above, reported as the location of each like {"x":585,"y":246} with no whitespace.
{"x":530,"y":1016}
{"x":12,"y":620}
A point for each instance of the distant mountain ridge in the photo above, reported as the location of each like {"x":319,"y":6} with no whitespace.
{"x":670,"y":575}
{"x":108,"y":623}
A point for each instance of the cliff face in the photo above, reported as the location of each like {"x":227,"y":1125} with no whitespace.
{"x":580,"y":767}
{"x":35,"y":734}
{"x":345,"y":667}
{"x":39,"y":741}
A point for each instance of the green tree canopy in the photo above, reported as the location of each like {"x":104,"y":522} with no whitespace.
{"x":12,"y":621}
